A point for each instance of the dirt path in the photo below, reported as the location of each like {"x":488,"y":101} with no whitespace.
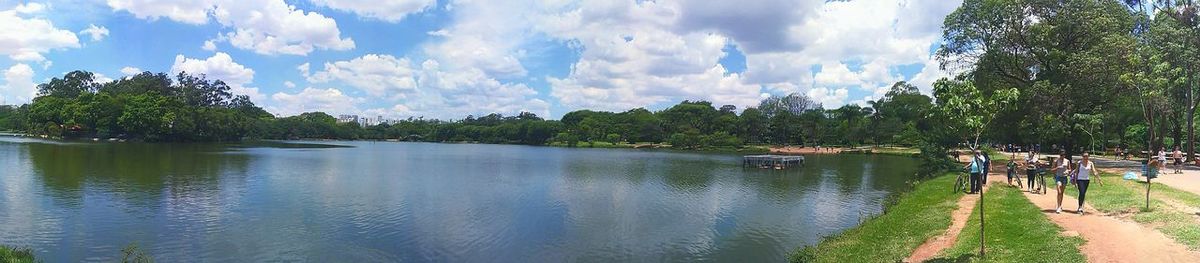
{"x":1109,"y":239}
{"x":958,"y":219}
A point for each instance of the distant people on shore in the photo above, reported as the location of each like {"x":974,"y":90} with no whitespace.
{"x":1178,"y":156}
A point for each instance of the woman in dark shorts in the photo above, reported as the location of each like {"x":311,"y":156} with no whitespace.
{"x":1031,"y":168}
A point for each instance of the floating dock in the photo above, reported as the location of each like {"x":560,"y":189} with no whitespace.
{"x":772,"y":161}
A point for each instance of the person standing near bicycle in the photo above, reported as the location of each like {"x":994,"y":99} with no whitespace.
{"x":1031,"y":168}
{"x":1012,"y":171}
{"x":1062,"y":167}
{"x":975,"y":167}
{"x":1082,"y":177}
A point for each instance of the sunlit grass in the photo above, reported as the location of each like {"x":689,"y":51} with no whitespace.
{"x":892,"y":236}
{"x":1016,"y":231}
{"x":15,"y":255}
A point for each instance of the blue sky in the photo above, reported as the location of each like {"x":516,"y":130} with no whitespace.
{"x":448,"y":59}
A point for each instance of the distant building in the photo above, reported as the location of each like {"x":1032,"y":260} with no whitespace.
{"x":347,"y":118}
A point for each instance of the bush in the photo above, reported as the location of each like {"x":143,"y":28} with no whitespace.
{"x":613,"y":138}
{"x":721,"y":139}
{"x":685,"y":140}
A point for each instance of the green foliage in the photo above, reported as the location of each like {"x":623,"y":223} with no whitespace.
{"x":133,"y":254}
{"x":16,"y":255}
{"x":965,"y":111}
{"x":145,"y":106}
{"x":157,"y":107}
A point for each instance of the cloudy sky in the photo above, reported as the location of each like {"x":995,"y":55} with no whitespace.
{"x":451,"y":58}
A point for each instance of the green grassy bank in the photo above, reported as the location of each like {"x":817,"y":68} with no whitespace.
{"x":1015,"y":230}
{"x":891,"y":236}
{"x":15,"y":255}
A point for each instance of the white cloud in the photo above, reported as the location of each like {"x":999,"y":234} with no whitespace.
{"x":391,"y":11}
{"x":209,"y":45}
{"x":929,"y":74}
{"x":830,"y":98}
{"x":289,"y":84}
{"x":101,"y":78}
{"x":377,"y":75}
{"x":96,"y":32}
{"x":486,"y":35}
{"x":836,"y":74}
{"x":189,"y":12}
{"x":220,"y":67}
{"x":454,"y":93}
{"x":264,"y":26}
{"x":630,"y":57}
{"x":331,"y":101}
{"x":30,"y":8}
{"x":303,"y":68}
{"x":27,"y":39}
{"x":129,"y":71}
{"x":18,"y":85}
{"x":877,"y":35}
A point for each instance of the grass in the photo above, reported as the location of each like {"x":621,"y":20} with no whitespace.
{"x":1016,"y":231}
{"x":1116,"y":195}
{"x":891,"y":236}
{"x":15,"y":255}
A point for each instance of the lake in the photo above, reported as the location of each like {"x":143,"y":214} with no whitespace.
{"x":400,"y":201}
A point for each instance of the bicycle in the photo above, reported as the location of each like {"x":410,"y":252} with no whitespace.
{"x":1039,"y":179}
{"x":960,"y":183}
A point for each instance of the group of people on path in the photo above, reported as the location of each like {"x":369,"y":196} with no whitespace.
{"x":1080,"y":174}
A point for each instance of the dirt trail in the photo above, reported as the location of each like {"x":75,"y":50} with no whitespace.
{"x":958,"y":219}
{"x":1109,"y":239}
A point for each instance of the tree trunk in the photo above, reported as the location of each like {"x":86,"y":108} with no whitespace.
{"x":1191,"y":118}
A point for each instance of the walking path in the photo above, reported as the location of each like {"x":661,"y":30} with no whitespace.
{"x":958,"y":219}
{"x":1109,"y":239}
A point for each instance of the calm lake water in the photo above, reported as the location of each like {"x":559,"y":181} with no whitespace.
{"x":389,"y":201}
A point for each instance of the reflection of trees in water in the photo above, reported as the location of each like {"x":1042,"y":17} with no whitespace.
{"x":136,"y":171}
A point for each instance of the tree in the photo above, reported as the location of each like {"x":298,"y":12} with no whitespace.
{"x":966,"y":111}
{"x":1057,"y":53}
{"x":70,"y":86}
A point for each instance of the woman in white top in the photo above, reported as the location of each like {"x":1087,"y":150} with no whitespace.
{"x":1083,"y":173}
{"x":1062,"y":169}
{"x":1162,"y":158}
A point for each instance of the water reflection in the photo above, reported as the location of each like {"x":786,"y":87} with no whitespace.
{"x":425,"y":202}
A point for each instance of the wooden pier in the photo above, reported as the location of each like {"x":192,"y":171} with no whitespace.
{"x":772,"y":161}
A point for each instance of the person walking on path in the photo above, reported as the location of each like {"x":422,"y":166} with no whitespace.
{"x":1031,"y":169}
{"x":975,"y":166}
{"x":1162,"y":158}
{"x":1178,"y":156}
{"x":987,"y":167}
{"x":1082,"y":176}
{"x":1062,"y":167}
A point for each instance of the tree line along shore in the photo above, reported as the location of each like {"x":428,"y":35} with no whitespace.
{"x":160,"y":108}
